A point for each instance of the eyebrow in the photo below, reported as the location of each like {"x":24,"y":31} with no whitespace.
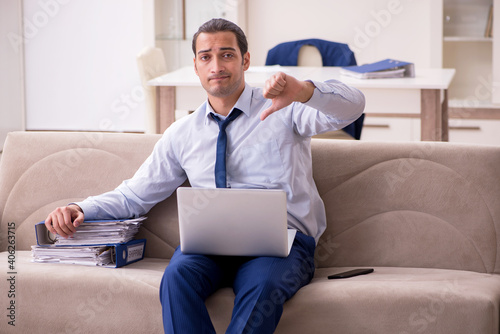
{"x":221,"y":49}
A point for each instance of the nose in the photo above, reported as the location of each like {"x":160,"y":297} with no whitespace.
{"x":218,"y":65}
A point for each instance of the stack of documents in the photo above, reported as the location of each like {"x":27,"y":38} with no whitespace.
{"x":90,"y":255}
{"x":388,"y":68}
{"x":107,"y":243}
{"x":102,"y":232}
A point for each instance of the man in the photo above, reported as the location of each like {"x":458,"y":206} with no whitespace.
{"x":268,"y":146}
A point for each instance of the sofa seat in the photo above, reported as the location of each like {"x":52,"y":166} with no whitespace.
{"x":84,"y":299}
{"x":396,"y":300}
{"x":390,"y":300}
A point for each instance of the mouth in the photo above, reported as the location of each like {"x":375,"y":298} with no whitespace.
{"x":218,"y":77}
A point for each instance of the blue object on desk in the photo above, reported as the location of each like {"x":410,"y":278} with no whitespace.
{"x":381,"y":66}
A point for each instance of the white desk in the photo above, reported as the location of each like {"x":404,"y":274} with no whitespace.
{"x":429,"y":84}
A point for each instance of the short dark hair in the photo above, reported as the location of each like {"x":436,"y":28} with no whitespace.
{"x":218,"y":25}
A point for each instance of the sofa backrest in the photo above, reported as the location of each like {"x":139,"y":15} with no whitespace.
{"x":432,"y":205}
{"x":419,"y":204}
{"x":40,"y":171}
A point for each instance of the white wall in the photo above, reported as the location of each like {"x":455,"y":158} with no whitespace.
{"x":11,"y":86}
{"x":80,"y":63}
{"x":407,"y":30}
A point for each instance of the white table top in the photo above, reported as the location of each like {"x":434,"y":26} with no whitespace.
{"x":257,"y":75}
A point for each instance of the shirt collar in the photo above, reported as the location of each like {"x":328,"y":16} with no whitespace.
{"x":243,"y":104}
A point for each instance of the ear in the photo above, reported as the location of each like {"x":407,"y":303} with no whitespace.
{"x":246,"y":61}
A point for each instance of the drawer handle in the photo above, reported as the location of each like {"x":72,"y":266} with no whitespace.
{"x":376,"y":125}
{"x":470,"y":128}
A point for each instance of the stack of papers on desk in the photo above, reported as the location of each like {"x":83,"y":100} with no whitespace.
{"x":388,"y":68}
{"x":102,"y":232}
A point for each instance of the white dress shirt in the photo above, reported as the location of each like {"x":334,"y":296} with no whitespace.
{"x":270,"y":154}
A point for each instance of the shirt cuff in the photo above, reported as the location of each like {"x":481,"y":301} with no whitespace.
{"x":335,"y":96}
{"x":89,"y":210}
{"x":319,"y":98}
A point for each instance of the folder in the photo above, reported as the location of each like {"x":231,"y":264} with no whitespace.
{"x":97,"y":232}
{"x":387,"y":68}
{"x":117,"y":254}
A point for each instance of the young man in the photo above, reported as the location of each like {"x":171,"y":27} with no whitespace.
{"x":268,"y":146}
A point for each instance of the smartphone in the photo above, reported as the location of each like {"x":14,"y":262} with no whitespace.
{"x":351,"y":273}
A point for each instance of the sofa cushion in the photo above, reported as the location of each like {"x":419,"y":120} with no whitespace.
{"x":61,"y":298}
{"x":396,"y":300}
{"x":80,"y":299}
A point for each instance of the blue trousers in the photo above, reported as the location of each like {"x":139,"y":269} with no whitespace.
{"x":261,"y":286}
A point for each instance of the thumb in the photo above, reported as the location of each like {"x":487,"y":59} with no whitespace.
{"x":78,"y":220}
{"x":273,"y":108}
{"x":266,"y":113}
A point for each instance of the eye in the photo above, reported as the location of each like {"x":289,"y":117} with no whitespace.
{"x":228,"y":55}
{"x":204,"y":57}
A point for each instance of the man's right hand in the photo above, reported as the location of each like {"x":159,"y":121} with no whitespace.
{"x":64,"y":220}
{"x":283,"y":89}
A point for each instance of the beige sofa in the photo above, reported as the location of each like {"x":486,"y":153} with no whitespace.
{"x":425,"y":216}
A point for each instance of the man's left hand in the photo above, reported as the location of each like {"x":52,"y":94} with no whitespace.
{"x":284,"y":89}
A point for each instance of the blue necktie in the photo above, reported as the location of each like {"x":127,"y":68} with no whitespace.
{"x":220,"y":161}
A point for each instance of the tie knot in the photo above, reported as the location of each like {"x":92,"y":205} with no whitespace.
{"x":224,"y":123}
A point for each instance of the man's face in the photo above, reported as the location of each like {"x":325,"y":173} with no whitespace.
{"x":219,"y":64}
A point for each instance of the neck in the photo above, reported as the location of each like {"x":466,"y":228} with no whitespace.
{"x":224,"y":105}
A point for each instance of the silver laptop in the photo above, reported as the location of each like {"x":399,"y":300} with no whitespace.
{"x":238,"y":222}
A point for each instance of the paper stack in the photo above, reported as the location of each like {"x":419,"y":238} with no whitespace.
{"x":102,"y":232}
{"x":98,"y":243}
{"x":91,"y":255}
{"x":388,"y":68}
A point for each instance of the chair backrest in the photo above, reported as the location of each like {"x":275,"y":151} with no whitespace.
{"x":309,"y":55}
{"x":332,"y":53}
{"x":151,"y":64}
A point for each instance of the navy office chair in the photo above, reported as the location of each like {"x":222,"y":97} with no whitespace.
{"x":332,"y":54}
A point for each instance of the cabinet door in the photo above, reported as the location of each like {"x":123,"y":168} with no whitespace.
{"x":474,"y":131}
{"x":200,"y":11}
{"x":392,"y":129}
